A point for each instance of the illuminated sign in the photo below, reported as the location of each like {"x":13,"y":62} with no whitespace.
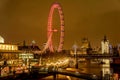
{"x":26,"y":55}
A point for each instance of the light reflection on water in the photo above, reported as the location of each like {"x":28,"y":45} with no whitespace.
{"x":91,"y":68}
{"x":95,"y":68}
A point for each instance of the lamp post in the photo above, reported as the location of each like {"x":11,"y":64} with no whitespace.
{"x":40,"y":60}
{"x":29,"y":65}
{"x":75,"y":53}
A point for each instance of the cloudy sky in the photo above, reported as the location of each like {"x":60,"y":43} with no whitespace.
{"x":27,"y":20}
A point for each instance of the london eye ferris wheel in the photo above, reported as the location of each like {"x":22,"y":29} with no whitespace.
{"x":51,"y":30}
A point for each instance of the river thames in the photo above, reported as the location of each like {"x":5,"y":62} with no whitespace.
{"x":89,"y":67}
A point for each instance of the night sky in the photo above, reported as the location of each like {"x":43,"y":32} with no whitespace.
{"x":27,"y":20}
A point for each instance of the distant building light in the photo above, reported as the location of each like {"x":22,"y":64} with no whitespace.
{"x":26,"y":56}
{"x":33,"y":42}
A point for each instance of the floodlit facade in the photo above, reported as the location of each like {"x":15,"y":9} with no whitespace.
{"x":8,"y":46}
{"x":5,"y":46}
{"x":6,"y":51}
{"x":105,"y":50}
{"x":105,"y":45}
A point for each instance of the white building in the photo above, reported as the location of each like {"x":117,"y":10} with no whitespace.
{"x":105,"y":45}
{"x":105,"y":49}
{"x":1,"y":39}
{"x":5,"y":46}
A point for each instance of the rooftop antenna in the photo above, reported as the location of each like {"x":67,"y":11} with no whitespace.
{"x":105,"y":38}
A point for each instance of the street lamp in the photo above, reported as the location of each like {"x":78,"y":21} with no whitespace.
{"x":40,"y":59}
{"x":75,"y":52}
{"x":29,"y":65}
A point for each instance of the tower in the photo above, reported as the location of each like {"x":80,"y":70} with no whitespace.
{"x":85,"y":46}
{"x":105,"y":45}
{"x":105,"y":50}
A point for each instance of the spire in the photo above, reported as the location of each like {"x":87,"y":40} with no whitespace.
{"x":89,"y":45}
{"x":24,"y":43}
{"x":105,"y":38}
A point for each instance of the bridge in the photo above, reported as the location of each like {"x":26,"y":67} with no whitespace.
{"x":54,"y":70}
{"x":92,"y":56}
{"x":41,"y":72}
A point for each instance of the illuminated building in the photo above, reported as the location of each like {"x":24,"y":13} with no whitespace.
{"x":6,"y":51}
{"x":105,"y":45}
{"x":105,"y":50}
{"x":28,"y":52}
{"x":1,"y":39}
{"x":85,"y":45}
{"x":8,"y":47}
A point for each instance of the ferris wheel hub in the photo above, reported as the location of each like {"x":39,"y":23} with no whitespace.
{"x":55,"y":30}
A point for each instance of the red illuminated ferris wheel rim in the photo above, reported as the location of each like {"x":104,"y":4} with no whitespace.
{"x":49,"y":27}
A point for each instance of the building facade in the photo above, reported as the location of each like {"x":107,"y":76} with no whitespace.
{"x":105,"y":45}
{"x":105,"y":50}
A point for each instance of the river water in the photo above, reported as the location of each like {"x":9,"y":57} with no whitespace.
{"x":90,"y":67}
{"x":99,"y":67}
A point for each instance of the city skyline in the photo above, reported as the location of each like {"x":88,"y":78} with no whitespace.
{"x":27,"y":20}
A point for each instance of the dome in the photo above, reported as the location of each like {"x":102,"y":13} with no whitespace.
{"x":1,"y":39}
